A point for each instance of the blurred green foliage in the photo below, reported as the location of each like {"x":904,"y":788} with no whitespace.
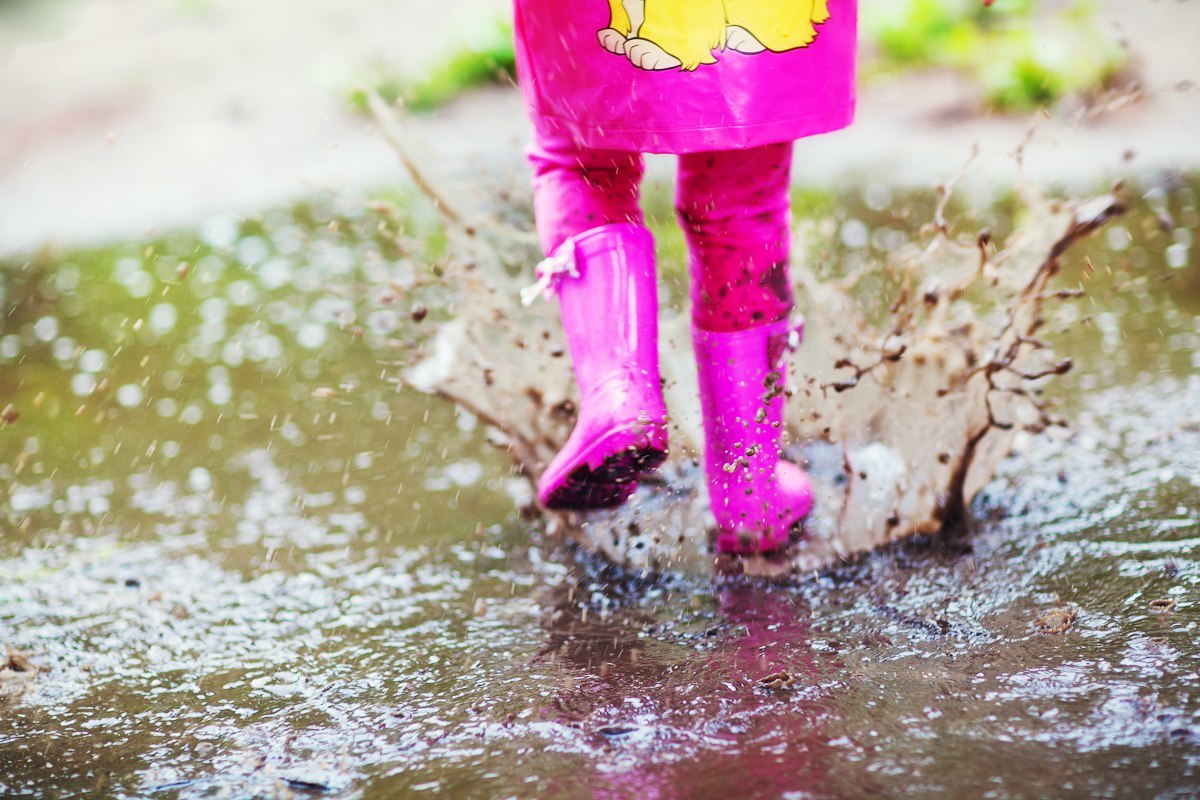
{"x":486,"y":57}
{"x":1022,"y":59}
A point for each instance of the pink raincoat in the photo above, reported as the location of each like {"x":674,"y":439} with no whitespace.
{"x":685,"y":76}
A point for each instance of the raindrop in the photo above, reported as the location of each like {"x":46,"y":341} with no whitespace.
{"x":312,"y":335}
{"x":275,"y":273}
{"x":241,"y":293}
{"x":213,"y":309}
{"x":166,"y":407}
{"x":1177,"y":256}
{"x":45,"y":329}
{"x":252,"y":250}
{"x":201,"y":349}
{"x":67,"y":278}
{"x":83,"y":384}
{"x":1118,"y":238}
{"x":64,"y":350}
{"x":887,"y":240}
{"x":281,"y":313}
{"x":130,"y":395}
{"x":219,"y":394}
{"x":855,"y":234}
{"x":162,"y":317}
{"x":93,"y":360}
{"x":382,"y":321}
{"x":10,"y":346}
{"x":191,"y":414}
{"x":139,"y":284}
{"x":877,"y":196}
{"x":464,"y":473}
{"x":233,"y":354}
{"x":219,"y":231}
{"x":199,"y":479}
{"x":465,"y":420}
{"x":212,"y":331}
{"x":207,"y":270}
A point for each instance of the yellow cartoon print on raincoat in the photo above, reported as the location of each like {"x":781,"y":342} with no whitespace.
{"x":683,"y":34}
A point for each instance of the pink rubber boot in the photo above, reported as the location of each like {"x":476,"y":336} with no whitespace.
{"x":756,"y":498}
{"x":609,"y":301}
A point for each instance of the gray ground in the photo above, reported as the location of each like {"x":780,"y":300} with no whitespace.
{"x":124,"y":115}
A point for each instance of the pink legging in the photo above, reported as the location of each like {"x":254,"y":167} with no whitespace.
{"x":733,"y":206}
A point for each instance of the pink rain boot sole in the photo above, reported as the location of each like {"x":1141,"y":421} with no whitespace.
{"x":793,"y":485}
{"x":608,"y":469}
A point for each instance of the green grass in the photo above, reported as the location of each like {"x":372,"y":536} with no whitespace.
{"x":489,"y":59}
{"x":1020,"y":59}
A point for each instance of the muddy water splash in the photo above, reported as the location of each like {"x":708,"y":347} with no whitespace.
{"x":901,"y":413}
{"x":241,"y":563}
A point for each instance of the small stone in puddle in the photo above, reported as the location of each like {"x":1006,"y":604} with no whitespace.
{"x":17,"y":673}
{"x":615,"y":731}
{"x":1162,"y":606}
{"x":1056,"y":620}
{"x":776,"y":680}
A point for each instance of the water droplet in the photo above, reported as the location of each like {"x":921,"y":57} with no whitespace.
{"x":1177,"y":256}
{"x":855,"y":234}
{"x":312,"y":335}
{"x":199,"y":480}
{"x":191,"y":414}
{"x":130,"y":395}
{"x":877,"y":196}
{"x":93,"y":360}
{"x":83,"y":384}
{"x":45,"y":329}
{"x":241,"y":293}
{"x":275,"y":273}
{"x":166,"y":407}
{"x":1118,"y":238}
{"x":162,"y":317}
{"x":214,"y":309}
{"x":219,"y":231}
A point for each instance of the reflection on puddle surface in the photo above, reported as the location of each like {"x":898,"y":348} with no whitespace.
{"x":237,"y":562}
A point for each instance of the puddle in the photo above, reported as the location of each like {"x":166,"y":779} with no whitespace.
{"x":245,"y":563}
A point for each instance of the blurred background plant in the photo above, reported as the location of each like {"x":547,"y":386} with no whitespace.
{"x":31,"y":21}
{"x":1020,"y":57}
{"x":484,"y":56}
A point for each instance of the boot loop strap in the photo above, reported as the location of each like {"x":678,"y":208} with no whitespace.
{"x":550,"y":272}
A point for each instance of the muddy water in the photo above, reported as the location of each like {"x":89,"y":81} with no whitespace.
{"x":242,"y":563}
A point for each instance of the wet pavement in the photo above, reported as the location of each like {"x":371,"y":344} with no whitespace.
{"x":236,"y":560}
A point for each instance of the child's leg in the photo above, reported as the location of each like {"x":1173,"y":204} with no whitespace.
{"x":734,"y":208}
{"x":576,"y":189}
{"x":606,"y":290}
